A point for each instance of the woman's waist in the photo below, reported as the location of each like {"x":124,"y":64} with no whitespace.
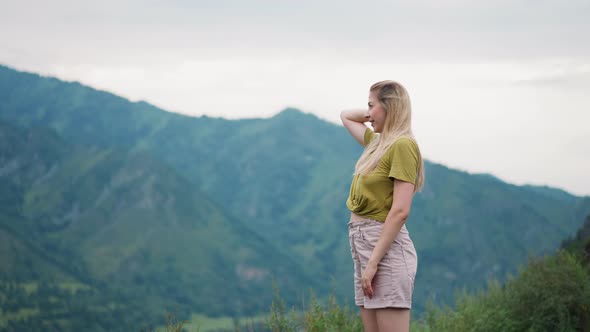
{"x":357,"y":220}
{"x":357,"y":217}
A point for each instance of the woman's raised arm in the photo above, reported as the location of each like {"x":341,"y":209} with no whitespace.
{"x":354,"y":121}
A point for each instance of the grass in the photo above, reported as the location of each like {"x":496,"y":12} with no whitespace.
{"x":202,"y":323}
{"x":206,"y":324}
{"x":314,"y":316}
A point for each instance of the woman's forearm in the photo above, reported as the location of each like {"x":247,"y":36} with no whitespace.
{"x":403,"y":192}
{"x":359,"y":116}
{"x":354,"y":122}
{"x":393,"y":224}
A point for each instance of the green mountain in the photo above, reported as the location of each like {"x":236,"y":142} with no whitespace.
{"x":119,"y":222}
{"x":278,"y":185}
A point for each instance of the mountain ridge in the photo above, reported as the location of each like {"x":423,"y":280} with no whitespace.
{"x":117,"y":235}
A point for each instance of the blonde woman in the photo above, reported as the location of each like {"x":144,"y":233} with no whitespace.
{"x":386,"y":176}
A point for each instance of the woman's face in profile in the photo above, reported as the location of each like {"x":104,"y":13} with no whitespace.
{"x":376,"y":113}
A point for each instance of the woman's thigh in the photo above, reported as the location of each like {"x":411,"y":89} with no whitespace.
{"x":393,"y":319}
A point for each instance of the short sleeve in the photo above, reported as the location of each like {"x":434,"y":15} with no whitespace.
{"x":404,"y":156}
{"x":369,"y":135}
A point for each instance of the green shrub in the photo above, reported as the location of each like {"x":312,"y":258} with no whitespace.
{"x":550,"y":294}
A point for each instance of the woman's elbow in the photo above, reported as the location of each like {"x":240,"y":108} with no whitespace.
{"x":343,"y":116}
{"x":401,"y":213}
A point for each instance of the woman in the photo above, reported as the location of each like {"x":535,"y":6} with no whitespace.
{"x":386,"y":176}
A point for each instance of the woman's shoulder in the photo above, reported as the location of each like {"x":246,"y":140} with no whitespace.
{"x":404,"y":145}
{"x":369,"y":136}
{"x":405,"y":142}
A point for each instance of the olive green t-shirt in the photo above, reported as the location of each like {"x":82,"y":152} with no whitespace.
{"x":371,"y":195}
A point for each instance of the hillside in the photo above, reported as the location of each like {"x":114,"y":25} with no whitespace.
{"x":122,"y":223}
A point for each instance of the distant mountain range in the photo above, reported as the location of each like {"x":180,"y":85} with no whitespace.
{"x":204,"y":213}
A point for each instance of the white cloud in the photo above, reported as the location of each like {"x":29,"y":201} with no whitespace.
{"x":497,"y":87}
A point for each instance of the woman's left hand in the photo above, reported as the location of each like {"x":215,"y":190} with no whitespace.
{"x":367,"y":279}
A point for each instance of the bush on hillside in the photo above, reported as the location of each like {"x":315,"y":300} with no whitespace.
{"x":550,"y":294}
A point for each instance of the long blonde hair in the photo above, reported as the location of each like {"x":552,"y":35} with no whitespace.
{"x":395,"y":100}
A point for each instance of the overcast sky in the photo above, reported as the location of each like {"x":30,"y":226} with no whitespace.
{"x":500,"y":87}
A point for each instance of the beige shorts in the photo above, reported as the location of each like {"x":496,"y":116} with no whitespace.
{"x":393,"y":283}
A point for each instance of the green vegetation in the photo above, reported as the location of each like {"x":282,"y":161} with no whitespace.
{"x":550,"y":293}
{"x":202,"y":323}
{"x":143,"y":245}
{"x":313,"y":317}
{"x":59,"y":307}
